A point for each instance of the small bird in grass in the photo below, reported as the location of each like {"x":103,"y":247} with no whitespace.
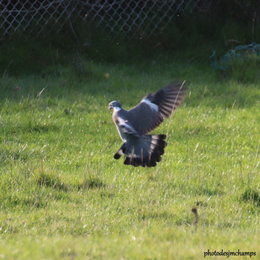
{"x":140,"y":149}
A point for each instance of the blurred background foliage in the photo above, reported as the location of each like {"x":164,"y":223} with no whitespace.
{"x":212,"y":25}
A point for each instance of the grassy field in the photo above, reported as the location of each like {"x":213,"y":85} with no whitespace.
{"x":62,"y":194}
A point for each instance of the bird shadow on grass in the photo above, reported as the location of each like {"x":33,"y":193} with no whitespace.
{"x":251,"y":196}
{"x":91,"y":183}
{"x":47,"y":180}
{"x":52,"y":181}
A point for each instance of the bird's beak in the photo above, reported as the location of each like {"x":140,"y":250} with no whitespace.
{"x":110,"y":107}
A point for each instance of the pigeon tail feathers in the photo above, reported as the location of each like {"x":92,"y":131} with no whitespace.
{"x":143,"y":151}
{"x":120,"y":152}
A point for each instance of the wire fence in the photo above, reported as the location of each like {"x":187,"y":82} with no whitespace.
{"x":132,"y":18}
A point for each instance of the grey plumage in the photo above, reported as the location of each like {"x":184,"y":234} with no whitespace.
{"x":133,"y":125}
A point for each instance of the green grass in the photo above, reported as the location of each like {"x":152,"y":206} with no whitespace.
{"x":63,"y":196}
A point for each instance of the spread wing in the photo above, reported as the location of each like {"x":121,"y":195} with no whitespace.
{"x":154,"y":108}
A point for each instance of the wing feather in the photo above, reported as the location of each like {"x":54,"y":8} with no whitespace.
{"x":154,"y":108}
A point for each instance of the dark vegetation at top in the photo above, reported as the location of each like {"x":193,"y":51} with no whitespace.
{"x":191,"y":36}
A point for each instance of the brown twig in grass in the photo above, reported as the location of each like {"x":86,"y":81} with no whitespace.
{"x":196,"y":216}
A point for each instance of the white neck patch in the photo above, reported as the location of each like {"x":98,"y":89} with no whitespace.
{"x":116,"y":109}
{"x":150,"y":104}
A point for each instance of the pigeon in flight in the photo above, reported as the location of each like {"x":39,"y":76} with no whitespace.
{"x":139,"y":148}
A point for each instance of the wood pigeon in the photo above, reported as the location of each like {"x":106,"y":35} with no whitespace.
{"x":140,"y":149}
